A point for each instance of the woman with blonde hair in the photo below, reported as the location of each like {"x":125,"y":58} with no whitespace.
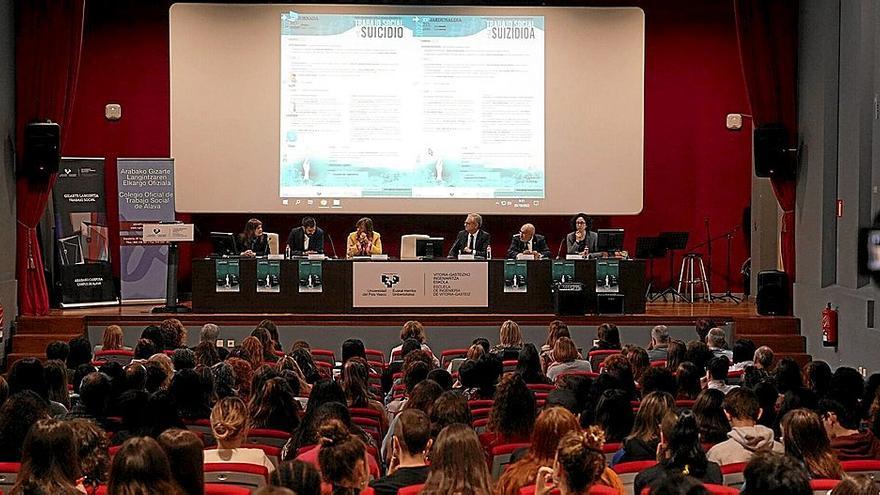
{"x":254,"y":349}
{"x":364,"y":241}
{"x":511,"y":341}
{"x":566,"y":358}
{"x":458,"y":464}
{"x":230,"y":424}
{"x":112,"y":340}
{"x":552,"y":424}
{"x":578,"y":465}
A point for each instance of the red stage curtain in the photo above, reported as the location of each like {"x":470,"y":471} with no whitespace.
{"x":48,"y":42}
{"x":767,"y":36}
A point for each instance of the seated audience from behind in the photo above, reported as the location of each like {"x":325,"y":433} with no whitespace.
{"x":716,"y":375}
{"x":614,"y":415}
{"x":94,"y":395}
{"x":513,"y":414}
{"x":252,"y":352}
{"x":817,"y":378}
{"x":272,"y":328}
{"x":709,"y":410}
{"x":112,"y":340}
{"x":763,"y":358}
{"x":91,"y":446}
{"x":746,"y":438}
{"x":410,"y":446}
{"x":641,"y":444}
{"x":860,"y":484}
{"x":274,"y":407}
{"x":619,"y":368}
{"x":658,"y":349}
{"x":688,"y":378}
{"x":287,"y":364}
{"x":478,"y":348}
{"x":413,"y":373}
{"x":842,"y":426}
{"x":679,"y":452}
{"x":743,"y":354}
{"x":528,"y":366}
{"x":230,"y":424}
{"x":638,"y":360}
{"x":449,"y":408}
{"x":767,"y":399}
{"x":804,"y":438}
{"x":186,"y":453}
{"x":510,"y":341}
{"x":188,"y":395}
{"x":699,"y":354}
{"x":442,"y":377}
{"x":608,"y":338}
{"x":458,"y":464}
{"x":306,"y":363}
{"x":139,"y":467}
{"x":183,"y":359}
{"x":55,"y":373}
{"x":717,"y":342}
{"x":775,"y":474}
{"x":356,"y":384}
{"x":555,"y":330}
{"x":173,"y":334}
{"x":300,"y":477}
{"x":18,"y":414}
{"x":342,"y":459}
{"x":206,"y":354}
{"x":331,"y":411}
{"x":675,"y":354}
{"x":566,"y":359}
{"x":49,"y":462}
{"x":422,"y":399}
{"x":412,"y":330}
{"x":323,"y":392}
{"x":143,"y":350}
{"x":847,"y":387}
{"x":80,"y":353}
{"x":57,"y":349}
{"x":702,"y":328}
{"x":478,"y":378}
{"x":210,"y":333}
{"x":154,"y":335}
{"x":396,"y":365}
{"x":658,"y":379}
{"x":579,"y":464}
{"x":265,"y":337}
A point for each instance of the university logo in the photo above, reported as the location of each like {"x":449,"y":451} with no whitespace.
{"x":390,"y":279}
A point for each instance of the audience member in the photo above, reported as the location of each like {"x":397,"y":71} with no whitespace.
{"x":805,"y":439}
{"x":842,"y":426}
{"x":229,"y":423}
{"x":608,"y":338}
{"x":860,"y":484}
{"x":140,"y":467}
{"x":510,"y":341}
{"x":699,"y":354}
{"x":710,"y":416}
{"x":675,"y":354}
{"x":657,"y":379}
{"x":529,"y":366}
{"x":112,"y":340}
{"x":716,"y":375}
{"x":702,"y":328}
{"x":619,"y":368}
{"x":300,"y":477}
{"x":94,"y":395}
{"x":173,"y":334}
{"x":566,"y":359}
{"x":659,"y":347}
{"x":55,"y":373}
{"x":410,"y":445}
{"x":458,"y":464}
{"x":413,"y":330}
{"x":775,"y":474}
{"x":638,"y":360}
{"x":29,"y":374}
{"x":49,"y":462}
{"x":513,"y":413}
{"x":763,"y":358}
{"x":343,"y":459}
{"x":450,"y":408}
{"x":579,"y":464}
{"x":267,"y":342}
{"x":252,"y":350}
{"x":614,"y":415}
{"x":679,"y":452}
{"x":641,"y":444}
{"x":154,"y":334}
{"x":422,"y":399}
{"x":555,"y":330}
{"x":356,"y":383}
{"x":57,"y":349}
{"x":274,"y":407}
{"x":80,"y":352}
{"x":746,"y":438}
{"x":186,"y":453}
{"x":91,"y":451}
{"x":688,"y":378}
{"x":743,"y":354}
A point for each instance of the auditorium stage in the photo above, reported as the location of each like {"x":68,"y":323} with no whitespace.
{"x":380,"y":331}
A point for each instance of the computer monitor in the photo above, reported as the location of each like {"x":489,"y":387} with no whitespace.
{"x":609,"y":240}
{"x":224,"y":244}
{"x":429,"y":248}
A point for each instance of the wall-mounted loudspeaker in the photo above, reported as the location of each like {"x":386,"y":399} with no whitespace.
{"x":42,"y":150}
{"x":773,"y":156}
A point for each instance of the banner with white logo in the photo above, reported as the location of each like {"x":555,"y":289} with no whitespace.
{"x":146,"y":195}
{"x":82,"y":245}
{"x":437,"y":284}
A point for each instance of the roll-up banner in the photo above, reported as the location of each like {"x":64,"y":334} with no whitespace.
{"x":82,"y":244}
{"x":146,"y":195}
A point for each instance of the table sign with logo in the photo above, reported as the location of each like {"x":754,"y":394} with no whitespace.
{"x":420,"y":285}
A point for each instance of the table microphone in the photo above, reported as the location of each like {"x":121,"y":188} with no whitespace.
{"x":332,"y":246}
{"x":559,"y":251}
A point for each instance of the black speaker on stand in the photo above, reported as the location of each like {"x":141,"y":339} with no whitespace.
{"x":42,"y":151}
{"x":773,"y":297}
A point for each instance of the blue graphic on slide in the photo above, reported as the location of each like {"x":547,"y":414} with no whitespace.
{"x":412,"y":106}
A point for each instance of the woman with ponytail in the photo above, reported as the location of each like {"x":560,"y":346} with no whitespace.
{"x":679,"y":452}
{"x":578,"y":465}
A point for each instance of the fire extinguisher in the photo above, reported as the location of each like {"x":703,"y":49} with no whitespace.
{"x":829,"y":326}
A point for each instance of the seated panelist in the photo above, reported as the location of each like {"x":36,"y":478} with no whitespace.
{"x":472,"y":240}
{"x":306,"y":239}
{"x":364,"y":241}
{"x":583,"y":240}
{"x":253,"y":242}
{"x":529,"y":243}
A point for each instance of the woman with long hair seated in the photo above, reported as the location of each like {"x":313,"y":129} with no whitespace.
{"x":566,"y":358}
{"x":458,"y":465}
{"x":356,"y":384}
{"x":641,"y":444}
{"x":412,"y":329}
{"x":708,"y":409}
{"x":185,"y":452}
{"x":140,"y":466}
{"x":578,"y":465}
{"x":510,"y":341}
{"x":49,"y":460}
{"x":230,"y":424}
{"x":556,"y":329}
{"x":112,"y":340}
{"x":679,"y":452}
{"x":253,"y":242}
{"x":529,"y":367}
{"x":274,"y":406}
{"x":513,"y":413}
{"x":364,"y":241}
{"x":552,"y":424}
{"x":804,"y":438}
{"x":343,"y":459}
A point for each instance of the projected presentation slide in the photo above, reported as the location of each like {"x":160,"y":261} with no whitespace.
{"x":412,"y":106}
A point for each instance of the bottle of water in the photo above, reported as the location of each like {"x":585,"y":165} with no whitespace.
{"x":488,"y":252}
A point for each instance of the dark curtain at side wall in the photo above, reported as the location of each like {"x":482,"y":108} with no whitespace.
{"x":48,"y":42}
{"x":767,"y":36}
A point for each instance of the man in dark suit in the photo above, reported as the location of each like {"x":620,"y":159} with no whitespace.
{"x":529,"y":243}
{"x":307,"y":239}
{"x":472,"y":240}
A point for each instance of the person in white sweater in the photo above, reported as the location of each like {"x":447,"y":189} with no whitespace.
{"x":746,"y":438}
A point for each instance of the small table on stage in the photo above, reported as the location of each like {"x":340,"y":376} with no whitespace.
{"x":368,"y":287}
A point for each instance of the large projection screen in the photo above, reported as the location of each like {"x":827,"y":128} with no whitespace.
{"x":407,"y":109}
